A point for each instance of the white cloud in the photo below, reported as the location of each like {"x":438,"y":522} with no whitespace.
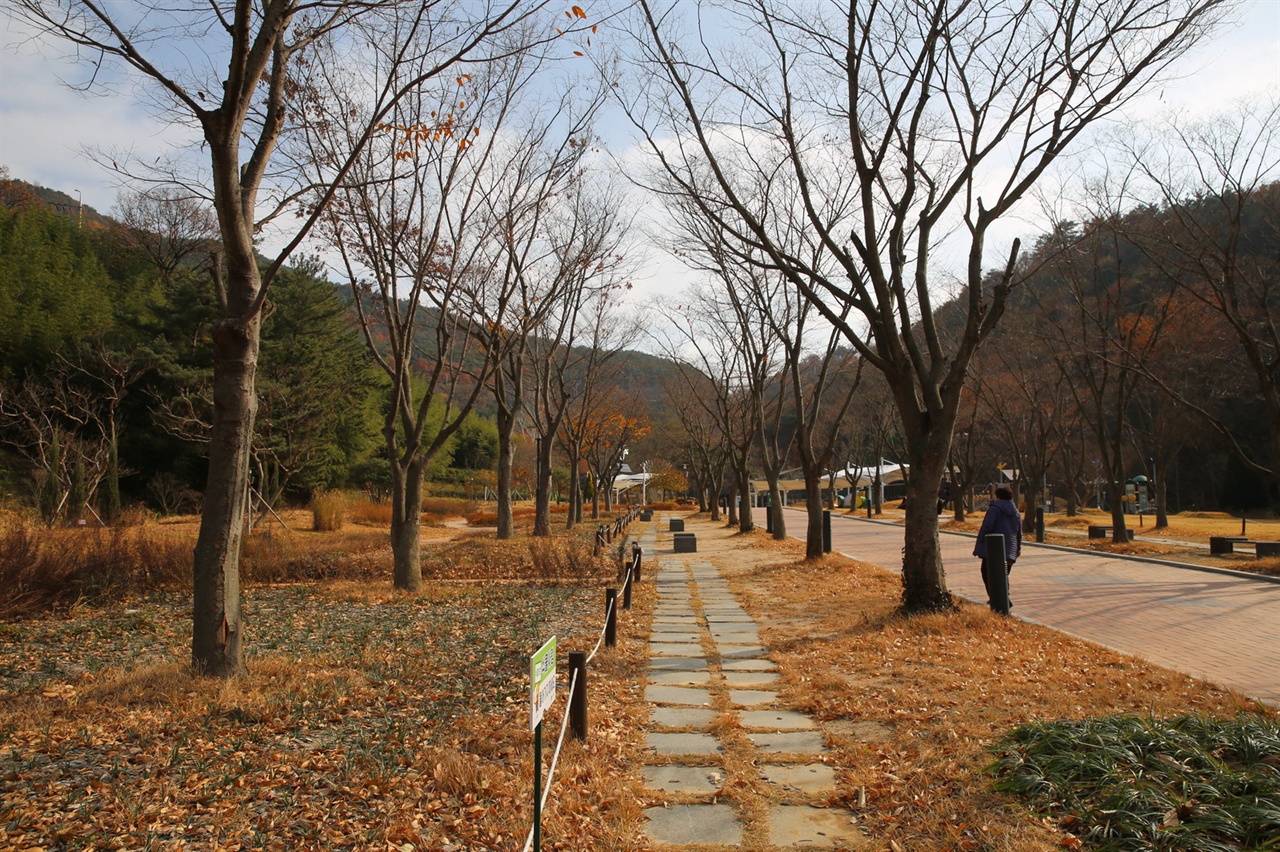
{"x":46,"y":127}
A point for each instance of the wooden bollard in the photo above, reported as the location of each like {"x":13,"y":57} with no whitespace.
{"x":611,"y":620}
{"x":578,"y":698}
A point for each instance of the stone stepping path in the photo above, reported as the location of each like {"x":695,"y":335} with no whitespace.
{"x":709,"y":673}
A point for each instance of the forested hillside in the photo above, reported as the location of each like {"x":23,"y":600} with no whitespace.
{"x":105,"y":367}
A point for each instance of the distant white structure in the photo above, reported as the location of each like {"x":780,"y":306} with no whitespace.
{"x":853,"y":477}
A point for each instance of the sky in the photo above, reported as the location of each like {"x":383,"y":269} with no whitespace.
{"x":46,"y":127}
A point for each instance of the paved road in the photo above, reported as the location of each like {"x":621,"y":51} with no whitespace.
{"x":1219,"y":627}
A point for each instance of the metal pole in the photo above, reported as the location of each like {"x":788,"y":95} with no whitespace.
{"x":578,"y":697}
{"x":636,"y":559}
{"x":768,"y":517}
{"x":537,"y":787}
{"x":611,"y":619}
{"x":995,"y":575}
{"x":826,"y":530}
{"x":1040,"y":525}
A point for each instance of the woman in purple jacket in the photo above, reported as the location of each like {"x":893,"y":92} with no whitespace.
{"x":1003,"y":519}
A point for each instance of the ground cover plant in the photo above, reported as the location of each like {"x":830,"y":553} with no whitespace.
{"x":1127,"y":783}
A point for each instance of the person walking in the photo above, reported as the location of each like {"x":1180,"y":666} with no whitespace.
{"x":1002,"y":518}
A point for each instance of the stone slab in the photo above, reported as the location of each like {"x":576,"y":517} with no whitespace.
{"x":681,"y":743}
{"x":751,"y":679}
{"x":674,"y":649}
{"x":688,"y":696}
{"x":790,"y":742}
{"x":736,"y":637}
{"x":752,"y":697}
{"x":733,"y":652}
{"x":747,"y":665}
{"x":681,"y":717}
{"x":677,"y":623}
{"x":684,"y":824}
{"x":677,"y":664}
{"x":814,"y":828}
{"x":811,"y":779}
{"x":776,"y":720}
{"x":680,"y":678}
{"x":672,"y":636}
{"x":683,"y":779}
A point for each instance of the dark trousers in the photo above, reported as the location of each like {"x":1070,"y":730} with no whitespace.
{"x":1008,"y":569}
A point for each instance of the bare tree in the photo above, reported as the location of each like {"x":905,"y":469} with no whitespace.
{"x":414,"y":225}
{"x":536,"y":205}
{"x":581,"y":329}
{"x":1100,"y":333}
{"x":584,"y":377}
{"x":228,"y":70}
{"x":894,"y":125}
{"x":64,"y":420}
{"x":727,"y":377}
{"x":1212,"y":189}
{"x":701,"y":443}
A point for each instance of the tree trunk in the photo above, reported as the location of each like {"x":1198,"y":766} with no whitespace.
{"x":406,"y":521}
{"x":1119,"y":532}
{"x":542,"y":489}
{"x":506,"y":515}
{"x":1162,"y":494}
{"x":746,"y":522}
{"x":573,"y":516}
{"x":775,"y":509}
{"x":924,"y":585}
{"x":813,"y":515}
{"x":217,"y":631}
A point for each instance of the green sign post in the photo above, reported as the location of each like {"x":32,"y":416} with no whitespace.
{"x":542,"y":692}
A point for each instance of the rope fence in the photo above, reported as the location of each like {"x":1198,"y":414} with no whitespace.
{"x":576,"y":705}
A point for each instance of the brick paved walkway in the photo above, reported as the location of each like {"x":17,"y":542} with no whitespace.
{"x":1218,"y":627}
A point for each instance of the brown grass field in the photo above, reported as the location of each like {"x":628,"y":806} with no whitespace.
{"x":378,"y":720}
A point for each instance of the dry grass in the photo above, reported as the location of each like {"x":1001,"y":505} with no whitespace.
{"x":41,"y":569}
{"x":328,"y":511}
{"x":370,"y":514}
{"x":367,"y":721}
{"x":912,"y":705}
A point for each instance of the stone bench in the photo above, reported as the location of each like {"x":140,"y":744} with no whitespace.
{"x":675,"y":525}
{"x":686,"y":542}
{"x":1221,"y":544}
{"x":1104,"y":530}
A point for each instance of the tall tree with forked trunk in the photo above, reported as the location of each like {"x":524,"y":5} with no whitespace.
{"x":842,"y":142}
